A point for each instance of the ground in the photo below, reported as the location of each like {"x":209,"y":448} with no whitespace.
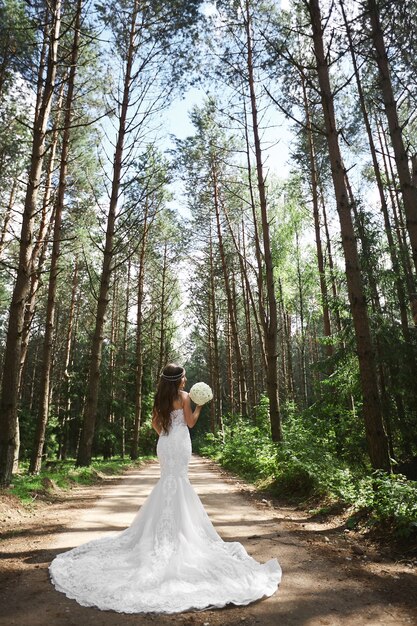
{"x":330,"y":575}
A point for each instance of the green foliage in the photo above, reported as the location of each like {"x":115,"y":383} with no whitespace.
{"x":391,"y":501}
{"x":164,"y":33}
{"x":27,"y":430}
{"x":311,"y":463}
{"x":147,"y":438}
{"x":17,"y":38}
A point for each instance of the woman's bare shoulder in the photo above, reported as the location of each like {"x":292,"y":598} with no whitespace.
{"x":181,"y":400}
{"x":184,"y":395}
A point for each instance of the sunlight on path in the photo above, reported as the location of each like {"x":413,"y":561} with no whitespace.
{"x":118,"y":504}
{"x":115,"y":509}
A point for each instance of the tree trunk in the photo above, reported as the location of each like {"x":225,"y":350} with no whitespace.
{"x":210,"y":355}
{"x":216,"y":361}
{"x":90,"y":413}
{"x":271,"y":321}
{"x":67,"y":361}
{"x":303,"y":365}
{"x":134,"y":452}
{"x":7,"y":216}
{"x":161,"y":359}
{"x":230,"y":376}
{"x":229,"y":298}
{"x":408,"y":190}
{"x":260,"y":324}
{"x":316,"y":215}
{"x":330,"y":262}
{"x":38,"y":254}
{"x":245,"y":288}
{"x":123,"y":391}
{"x":286,"y":348}
{"x":241,"y":380}
{"x":375,"y":431}
{"x":36,"y":461}
{"x":10,"y":382}
{"x":384,"y":208}
{"x":399,"y":230}
{"x":242,"y":260}
{"x":40,"y":247}
{"x":109,"y":417}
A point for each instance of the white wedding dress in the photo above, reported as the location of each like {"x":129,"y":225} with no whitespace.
{"x":171,"y":558}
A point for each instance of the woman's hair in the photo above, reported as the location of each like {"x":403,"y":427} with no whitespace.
{"x":167,"y":392}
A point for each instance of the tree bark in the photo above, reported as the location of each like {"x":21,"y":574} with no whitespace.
{"x":316,"y":215}
{"x":7,"y":216}
{"x":216,"y":361}
{"x":10,"y":382}
{"x":123,"y":390}
{"x":90,"y":413}
{"x":63,"y":442}
{"x":375,"y":431}
{"x":289,"y":383}
{"x":210,"y":350}
{"x":161,"y":359}
{"x":330,"y":262}
{"x":384,"y":208}
{"x":230,"y":374}
{"x":302,"y":344}
{"x":229,"y":297}
{"x":45,"y":383}
{"x":408,"y":190}
{"x":271,"y":320}
{"x":39,"y":251}
{"x":398,"y":225}
{"x":245,"y":287}
{"x":134,"y":452}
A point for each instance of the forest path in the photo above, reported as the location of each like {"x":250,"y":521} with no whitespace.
{"x":324,"y":581}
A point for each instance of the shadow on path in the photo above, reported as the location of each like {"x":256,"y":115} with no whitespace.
{"x":316,"y":589}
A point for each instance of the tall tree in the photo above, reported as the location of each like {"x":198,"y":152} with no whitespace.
{"x":270,"y":316}
{"x":143,"y":42}
{"x":43,"y":415}
{"x":375,"y":430}
{"x":402,"y":158}
{"x":11,"y":368}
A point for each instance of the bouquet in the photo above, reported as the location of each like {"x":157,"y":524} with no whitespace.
{"x":200,"y":393}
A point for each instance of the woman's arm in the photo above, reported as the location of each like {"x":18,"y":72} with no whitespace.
{"x":155,"y":424}
{"x":191,"y":417}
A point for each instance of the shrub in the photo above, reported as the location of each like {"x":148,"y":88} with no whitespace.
{"x":312,"y":462}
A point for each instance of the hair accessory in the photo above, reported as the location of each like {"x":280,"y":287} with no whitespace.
{"x":174,"y":377}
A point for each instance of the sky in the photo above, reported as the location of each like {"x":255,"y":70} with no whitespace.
{"x":275,"y":145}
{"x":176,"y":121}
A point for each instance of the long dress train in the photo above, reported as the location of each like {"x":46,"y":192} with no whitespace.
{"x":170,"y":559}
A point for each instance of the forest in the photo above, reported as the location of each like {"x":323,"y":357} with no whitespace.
{"x":291,"y":292}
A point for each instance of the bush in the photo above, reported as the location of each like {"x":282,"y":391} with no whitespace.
{"x":391,"y":500}
{"x":311,"y":462}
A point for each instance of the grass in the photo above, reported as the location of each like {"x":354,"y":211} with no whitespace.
{"x":308,"y":469}
{"x":64,"y":475}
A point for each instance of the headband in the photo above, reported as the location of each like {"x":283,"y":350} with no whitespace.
{"x":174,"y":377}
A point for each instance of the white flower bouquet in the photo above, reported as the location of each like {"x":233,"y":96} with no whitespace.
{"x":200,"y":393}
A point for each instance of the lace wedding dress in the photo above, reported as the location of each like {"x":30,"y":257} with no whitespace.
{"x":171,"y":558}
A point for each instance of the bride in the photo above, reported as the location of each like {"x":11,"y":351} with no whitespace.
{"x":171,"y":559}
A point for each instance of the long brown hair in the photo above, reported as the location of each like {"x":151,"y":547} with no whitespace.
{"x":167,"y":392}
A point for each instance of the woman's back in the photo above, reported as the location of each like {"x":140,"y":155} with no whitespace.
{"x":174,"y":447}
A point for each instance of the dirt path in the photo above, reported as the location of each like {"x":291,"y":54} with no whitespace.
{"x":327,"y":579}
